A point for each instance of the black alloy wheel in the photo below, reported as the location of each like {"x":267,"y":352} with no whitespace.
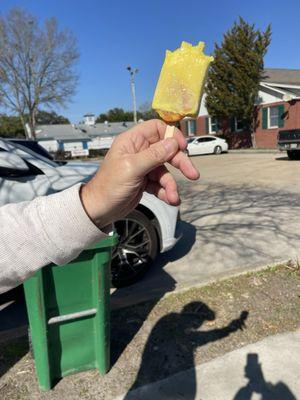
{"x":135,"y":251}
{"x":218,"y":150}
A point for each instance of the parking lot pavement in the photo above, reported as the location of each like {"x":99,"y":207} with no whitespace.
{"x":243,"y":213}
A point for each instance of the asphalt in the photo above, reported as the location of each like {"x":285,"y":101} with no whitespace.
{"x":243,"y":214}
{"x":267,"y":370}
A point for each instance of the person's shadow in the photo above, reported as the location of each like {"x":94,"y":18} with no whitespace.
{"x":145,"y":294}
{"x":172,"y":342}
{"x":257,"y":384}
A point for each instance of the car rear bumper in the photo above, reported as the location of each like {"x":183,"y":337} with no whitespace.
{"x":170,"y":242}
{"x":289,"y":146}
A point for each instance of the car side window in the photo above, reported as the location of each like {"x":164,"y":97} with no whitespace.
{"x":200,"y":140}
{"x":11,"y":174}
{"x":210,"y":139}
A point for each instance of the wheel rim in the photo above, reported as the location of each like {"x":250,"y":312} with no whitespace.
{"x":132,"y":251}
{"x":218,"y":150}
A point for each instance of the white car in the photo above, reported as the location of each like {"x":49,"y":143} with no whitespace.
{"x":206,"y":145}
{"x":148,"y":230}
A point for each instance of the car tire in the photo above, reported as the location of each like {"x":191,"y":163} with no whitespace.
{"x":293,"y":154}
{"x":218,"y":150}
{"x":136,"y":249}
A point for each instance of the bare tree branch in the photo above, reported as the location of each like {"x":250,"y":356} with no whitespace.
{"x":36,"y":65}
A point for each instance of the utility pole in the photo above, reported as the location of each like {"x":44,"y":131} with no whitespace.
{"x":132,"y":73}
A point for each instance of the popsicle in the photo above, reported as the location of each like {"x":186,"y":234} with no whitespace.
{"x":180,"y":85}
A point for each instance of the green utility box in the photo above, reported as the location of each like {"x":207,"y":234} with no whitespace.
{"x":69,"y":315}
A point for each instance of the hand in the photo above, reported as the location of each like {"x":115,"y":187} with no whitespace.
{"x":134,"y":164}
{"x":239,"y":323}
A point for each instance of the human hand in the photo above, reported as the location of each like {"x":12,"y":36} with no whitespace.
{"x":239,"y":323}
{"x":134,"y":164}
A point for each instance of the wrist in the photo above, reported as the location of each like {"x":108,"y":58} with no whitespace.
{"x":94,"y":205}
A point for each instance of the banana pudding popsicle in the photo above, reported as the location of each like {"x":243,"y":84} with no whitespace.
{"x":181,"y":82}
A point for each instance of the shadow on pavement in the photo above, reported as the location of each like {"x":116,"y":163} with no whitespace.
{"x":171,"y":345}
{"x":258,"y":384}
{"x":284,"y":159}
{"x":241,"y":224}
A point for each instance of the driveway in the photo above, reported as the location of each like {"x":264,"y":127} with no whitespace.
{"x":243,"y":213}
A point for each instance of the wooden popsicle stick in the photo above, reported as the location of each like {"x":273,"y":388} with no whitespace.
{"x":169,"y":131}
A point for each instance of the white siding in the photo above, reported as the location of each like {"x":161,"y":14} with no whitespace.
{"x":265,"y":97}
{"x":49,"y":145}
{"x":101,"y":143}
{"x":69,"y":146}
{"x":203,"y":110}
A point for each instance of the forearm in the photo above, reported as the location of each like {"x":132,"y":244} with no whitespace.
{"x":50,"y":229}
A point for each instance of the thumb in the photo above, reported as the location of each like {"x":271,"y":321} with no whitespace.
{"x":156,"y":155}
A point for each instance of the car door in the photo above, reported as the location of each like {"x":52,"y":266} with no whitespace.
{"x":199,"y":146}
{"x":210,"y":144}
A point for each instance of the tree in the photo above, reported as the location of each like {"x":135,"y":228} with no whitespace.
{"x":11,"y":126}
{"x":36,"y":65}
{"x":235,"y":74}
{"x":50,"y":118}
{"x":119,"y":115}
{"x":146,"y":111}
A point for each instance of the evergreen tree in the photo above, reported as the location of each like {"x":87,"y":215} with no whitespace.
{"x":50,"y":118}
{"x":119,"y":115}
{"x":234,"y":76}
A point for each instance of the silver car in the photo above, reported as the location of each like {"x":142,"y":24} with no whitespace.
{"x":150,"y":229}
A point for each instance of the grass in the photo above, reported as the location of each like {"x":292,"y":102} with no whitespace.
{"x":270,"y":297}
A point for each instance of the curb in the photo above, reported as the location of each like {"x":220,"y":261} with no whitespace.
{"x":130,"y":300}
{"x":256,"y":151}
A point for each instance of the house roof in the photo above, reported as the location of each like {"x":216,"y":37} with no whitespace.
{"x":282,"y":76}
{"x":70,"y":132}
{"x":59,"y":132}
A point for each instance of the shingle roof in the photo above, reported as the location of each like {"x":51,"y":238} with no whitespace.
{"x":65,"y":131}
{"x":282,"y":76}
{"x":82,"y":131}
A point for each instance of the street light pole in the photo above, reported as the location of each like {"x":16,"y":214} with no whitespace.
{"x":132,"y":73}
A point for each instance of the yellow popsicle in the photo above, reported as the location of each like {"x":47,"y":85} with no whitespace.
{"x":181,"y":81}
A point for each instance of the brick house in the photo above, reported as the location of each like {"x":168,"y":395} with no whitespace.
{"x":278,"y":107}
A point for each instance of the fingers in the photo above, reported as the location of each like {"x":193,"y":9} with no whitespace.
{"x":154,"y":131}
{"x":155,"y":188}
{"x":163,"y":179}
{"x":154,"y":156}
{"x":185,"y":165}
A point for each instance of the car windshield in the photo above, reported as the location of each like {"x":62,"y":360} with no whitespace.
{"x":190,"y":140}
{"x":35,"y":154}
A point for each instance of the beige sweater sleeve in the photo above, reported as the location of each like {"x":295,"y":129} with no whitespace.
{"x":50,"y":229}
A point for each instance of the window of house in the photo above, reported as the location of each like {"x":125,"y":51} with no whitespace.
{"x":238,"y":124}
{"x":213,"y":125}
{"x":191,"y":127}
{"x":273,"y":117}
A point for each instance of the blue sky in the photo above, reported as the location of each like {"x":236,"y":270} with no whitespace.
{"x":113,"y":34}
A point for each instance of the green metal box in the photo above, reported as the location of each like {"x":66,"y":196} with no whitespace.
{"x":69,"y":315}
